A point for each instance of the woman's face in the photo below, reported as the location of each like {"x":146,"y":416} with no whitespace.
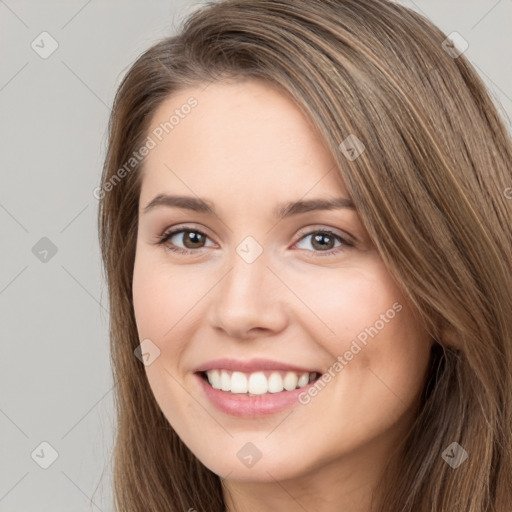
{"x":304,"y":291}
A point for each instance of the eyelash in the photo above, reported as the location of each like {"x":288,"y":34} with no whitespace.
{"x":162,"y":239}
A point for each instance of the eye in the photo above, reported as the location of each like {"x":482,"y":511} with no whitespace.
{"x":323,"y":239}
{"x":194,"y":240}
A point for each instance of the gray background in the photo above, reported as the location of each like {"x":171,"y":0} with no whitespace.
{"x":55,"y":377}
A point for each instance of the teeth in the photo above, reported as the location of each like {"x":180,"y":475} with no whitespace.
{"x":258,"y":383}
{"x":238,"y":382}
{"x":303,"y":380}
{"x":225,"y":381}
{"x":275,"y":383}
{"x":290,"y":381}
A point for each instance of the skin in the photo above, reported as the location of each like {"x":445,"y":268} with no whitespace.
{"x":247,"y":147}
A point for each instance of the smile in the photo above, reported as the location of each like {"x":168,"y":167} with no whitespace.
{"x":259,"y":382}
{"x":252,"y":395}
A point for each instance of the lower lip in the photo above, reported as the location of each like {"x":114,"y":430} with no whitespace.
{"x":246,"y":406}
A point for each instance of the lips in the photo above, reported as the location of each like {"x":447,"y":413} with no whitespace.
{"x":248,"y":405}
{"x":253,"y":365}
{"x":267,"y":387}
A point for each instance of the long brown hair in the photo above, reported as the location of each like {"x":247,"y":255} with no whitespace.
{"x":432,"y":188}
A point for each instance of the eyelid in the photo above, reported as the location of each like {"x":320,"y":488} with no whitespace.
{"x":304,"y":231}
{"x":183,"y":227}
{"x":322,"y":227}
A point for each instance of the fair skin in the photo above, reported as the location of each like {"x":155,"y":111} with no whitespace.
{"x":247,"y":148}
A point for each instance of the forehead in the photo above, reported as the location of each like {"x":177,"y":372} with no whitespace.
{"x":240,"y":138}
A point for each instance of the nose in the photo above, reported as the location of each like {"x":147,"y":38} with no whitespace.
{"x":249,"y":301}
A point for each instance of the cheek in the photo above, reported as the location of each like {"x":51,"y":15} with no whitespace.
{"x":159,"y":303}
{"x":382,"y":350}
{"x":161,"y":295}
{"x":147,"y":302}
{"x":348,"y":300}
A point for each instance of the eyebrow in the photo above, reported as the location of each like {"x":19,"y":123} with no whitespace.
{"x":281,"y":211}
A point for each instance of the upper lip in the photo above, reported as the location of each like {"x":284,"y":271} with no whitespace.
{"x":252,"y":365}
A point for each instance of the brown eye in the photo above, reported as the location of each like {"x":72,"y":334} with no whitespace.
{"x":323,"y":242}
{"x":191,"y":239}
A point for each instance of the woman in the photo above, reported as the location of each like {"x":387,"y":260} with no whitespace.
{"x":306,"y":230}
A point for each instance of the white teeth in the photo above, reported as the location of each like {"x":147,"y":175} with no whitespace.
{"x":275,"y":383}
{"x":225,"y":381}
{"x":303,"y":380}
{"x":215,"y":379}
{"x":238,"y":383}
{"x":290,"y":381}
{"x":258,"y":383}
